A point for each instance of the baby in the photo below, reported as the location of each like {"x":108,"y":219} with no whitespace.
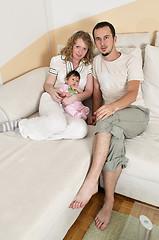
{"x":75,"y":109}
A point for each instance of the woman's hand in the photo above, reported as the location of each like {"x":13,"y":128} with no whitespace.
{"x":105,"y":111}
{"x":55,"y":94}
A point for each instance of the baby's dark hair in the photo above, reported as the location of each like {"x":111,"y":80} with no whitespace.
{"x":74,"y":73}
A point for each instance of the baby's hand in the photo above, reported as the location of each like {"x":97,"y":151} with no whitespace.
{"x":79,"y":90}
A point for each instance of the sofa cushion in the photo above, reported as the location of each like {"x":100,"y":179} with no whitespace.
{"x":134,"y":40}
{"x":38,"y":181}
{"x":14,"y":101}
{"x":151,"y":83}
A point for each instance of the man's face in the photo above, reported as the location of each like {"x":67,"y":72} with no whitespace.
{"x":104,"y":40}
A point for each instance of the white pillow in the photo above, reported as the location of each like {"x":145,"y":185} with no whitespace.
{"x":132,"y":51}
{"x":151,"y":76}
{"x":157,"y":39}
{"x":19,"y":98}
{"x":133,"y":39}
{"x":59,"y":48}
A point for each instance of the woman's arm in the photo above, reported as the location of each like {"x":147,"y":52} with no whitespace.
{"x":49,"y":88}
{"x":108,"y":109}
{"x":88,"y":90}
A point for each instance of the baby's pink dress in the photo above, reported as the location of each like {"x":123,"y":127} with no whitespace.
{"x":75,"y":109}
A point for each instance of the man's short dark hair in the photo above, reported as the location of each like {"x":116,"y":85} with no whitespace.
{"x":74,"y":73}
{"x":104,"y":24}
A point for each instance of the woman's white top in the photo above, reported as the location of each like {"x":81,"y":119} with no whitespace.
{"x":60,"y":68}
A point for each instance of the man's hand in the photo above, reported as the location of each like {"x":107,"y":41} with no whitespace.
{"x":105,"y":111}
{"x":91,"y":120}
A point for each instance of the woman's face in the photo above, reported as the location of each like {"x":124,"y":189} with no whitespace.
{"x":79,"y":49}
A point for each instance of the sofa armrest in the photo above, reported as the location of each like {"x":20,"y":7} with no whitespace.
{"x":20,"y":98}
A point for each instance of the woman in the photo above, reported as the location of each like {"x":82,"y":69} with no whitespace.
{"x":53,"y":122}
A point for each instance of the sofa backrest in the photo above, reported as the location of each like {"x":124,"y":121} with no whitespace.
{"x":20,"y":98}
{"x":151,"y":79}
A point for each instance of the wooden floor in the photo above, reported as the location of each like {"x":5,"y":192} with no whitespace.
{"x":121,"y":204}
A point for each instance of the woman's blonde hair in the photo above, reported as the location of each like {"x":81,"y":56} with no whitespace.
{"x":67,"y":51}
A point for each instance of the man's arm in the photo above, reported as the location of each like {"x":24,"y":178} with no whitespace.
{"x":108,"y":109}
{"x":96,"y":103}
{"x":97,"y":96}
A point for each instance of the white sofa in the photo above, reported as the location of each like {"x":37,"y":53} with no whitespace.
{"x":39,"y":179}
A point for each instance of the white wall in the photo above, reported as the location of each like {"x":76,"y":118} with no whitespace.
{"x":62,"y":12}
{"x":21,"y":23}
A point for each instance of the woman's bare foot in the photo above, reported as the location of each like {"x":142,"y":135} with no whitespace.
{"x":103,"y":217}
{"x":88,"y":188}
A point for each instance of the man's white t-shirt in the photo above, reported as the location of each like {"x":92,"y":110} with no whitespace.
{"x":113,"y":76}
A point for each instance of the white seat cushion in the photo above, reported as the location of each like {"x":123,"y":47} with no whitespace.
{"x":143,"y":152}
{"x":38,"y":181}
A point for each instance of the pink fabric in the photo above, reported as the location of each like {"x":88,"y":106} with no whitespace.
{"x":76,"y":109}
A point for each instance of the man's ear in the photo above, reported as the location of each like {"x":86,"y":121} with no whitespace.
{"x":66,"y":80}
{"x":115,"y":39}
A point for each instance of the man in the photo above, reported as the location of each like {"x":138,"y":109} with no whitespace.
{"x":116,"y":81}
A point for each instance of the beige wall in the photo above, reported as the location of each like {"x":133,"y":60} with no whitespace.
{"x":34,"y":56}
{"x":139,"y":16}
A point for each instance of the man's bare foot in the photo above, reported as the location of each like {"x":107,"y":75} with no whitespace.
{"x":88,"y":189}
{"x":103,"y":217}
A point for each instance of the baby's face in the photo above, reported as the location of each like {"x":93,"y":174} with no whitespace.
{"x":72,"y":81}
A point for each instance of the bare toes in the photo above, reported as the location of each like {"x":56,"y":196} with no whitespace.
{"x":103,"y":226}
